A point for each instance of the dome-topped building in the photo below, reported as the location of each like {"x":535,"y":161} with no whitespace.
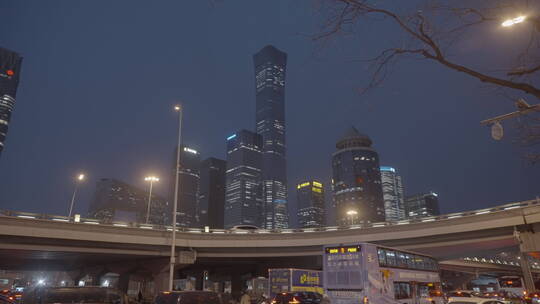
{"x":356,"y":183}
{"x":353,"y":138}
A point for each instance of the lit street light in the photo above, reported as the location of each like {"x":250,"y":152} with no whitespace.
{"x":175,"y":204}
{"x":150,"y":179}
{"x":351,"y":214}
{"x":513,"y":21}
{"x":520,"y":19}
{"x":80,"y":178}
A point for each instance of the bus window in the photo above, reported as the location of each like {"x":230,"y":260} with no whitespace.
{"x":382,"y":257}
{"x":401,"y":261}
{"x":410,"y":261}
{"x":419,"y":262}
{"x":391,"y":258}
{"x":402,"y":290}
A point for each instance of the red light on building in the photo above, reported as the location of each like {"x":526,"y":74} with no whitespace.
{"x":10,"y":72}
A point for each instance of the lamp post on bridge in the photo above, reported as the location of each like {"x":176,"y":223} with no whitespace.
{"x":150,"y":179}
{"x":80,"y":178}
{"x":178,"y":109}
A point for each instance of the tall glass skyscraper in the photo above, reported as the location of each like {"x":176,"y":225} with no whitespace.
{"x":394,"y":206}
{"x":243,"y":199}
{"x":356,"y":183}
{"x":270,"y":65}
{"x":188,"y":187}
{"x":310,"y":200}
{"x":10,"y":70}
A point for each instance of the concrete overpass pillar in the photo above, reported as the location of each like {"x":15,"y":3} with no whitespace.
{"x":527,"y":274}
{"x":529,"y":241}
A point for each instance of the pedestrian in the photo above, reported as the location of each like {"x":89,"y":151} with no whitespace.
{"x":245,"y":299}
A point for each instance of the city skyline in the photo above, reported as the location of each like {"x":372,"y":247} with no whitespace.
{"x":311,"y":134}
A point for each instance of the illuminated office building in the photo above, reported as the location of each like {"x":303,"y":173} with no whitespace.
{"x":243,"y":198}
{"x":188,"y":187}
{"x":310,"y":202}
{"x":116,"y":201}
{"x":270,"y":67}
{"x":212,"y":193}
{"x":422,"y":205}
{"x":394,"y":206}
{"x":356,"y":183}
{"x":10,"y":70}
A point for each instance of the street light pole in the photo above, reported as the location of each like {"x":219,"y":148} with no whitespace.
{"x":150,"y":179}
{"x":175,"y":206}
{"x":80,"y":178}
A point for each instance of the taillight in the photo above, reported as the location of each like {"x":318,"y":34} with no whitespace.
{"x":294,"y":301}
{"x":366,"y":300}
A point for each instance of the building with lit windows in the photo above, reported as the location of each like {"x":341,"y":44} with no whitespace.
{"x":10,"y":70}
{"x":356,"y":182}
{"x":270,"y":67}
{"x":394,"y":205}
{"x":310,"y":202}
{"x":243,"y":197}
{"x":115,"y":200}
{"x":422,"y":205}
{"x":212,"y":193}
{"x":188,"y":187}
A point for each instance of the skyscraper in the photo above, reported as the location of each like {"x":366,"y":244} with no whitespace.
{"x":188,"y":187}
{"x":422,"y":205}
{"x":310,"y":198}
{"x":243,"y":198}
{"x":115,"y":200}
{"x":270,"y":65}
{"x":394,"y":206}
{"x":10,"y":70}
{"x":212,"y":193}
{"x":356,"y":183}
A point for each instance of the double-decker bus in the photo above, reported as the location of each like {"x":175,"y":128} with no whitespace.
{"x":367,"y":273}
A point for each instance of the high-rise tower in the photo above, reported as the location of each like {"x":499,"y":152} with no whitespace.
{"x":243,"y":199}
{"x":188,"y":187}
{"x":270,"y":66}
{"x":212,"y":193}
{"x":356,"y":183}
{"x":310,"y":200}
{"x":394,"y":205}
{"x":10,"y":69}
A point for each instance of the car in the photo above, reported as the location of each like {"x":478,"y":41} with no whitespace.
{"x":475,"y":301}
{"x":462,"y":294}
{"x":5,"y":299}
{"x":188,"y":297}
{"x":532,"y":298}
{"x":299,"y":297}
{"x":87,"y":294}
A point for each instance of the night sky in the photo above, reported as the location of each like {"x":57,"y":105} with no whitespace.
{"x":99,"y":79}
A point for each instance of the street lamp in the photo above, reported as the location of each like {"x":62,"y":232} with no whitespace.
{"x":79,"y":179}
{"x":511,"y":22}
{"x":351,"y":214}
{"x":178,"y":109}
{"x":150,"y":179}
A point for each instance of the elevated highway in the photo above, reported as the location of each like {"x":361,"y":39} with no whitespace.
{"x":444,"y":237}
